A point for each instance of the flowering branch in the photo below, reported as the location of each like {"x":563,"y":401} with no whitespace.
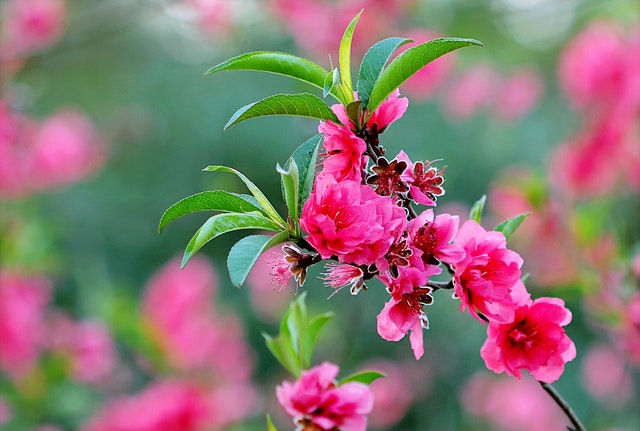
{"x":566,"y":408}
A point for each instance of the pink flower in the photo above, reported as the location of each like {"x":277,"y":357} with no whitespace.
{"x":392,"y":109}
{"x":87,"y":345}
{"x":268,"y":301}
{"x":518,"y":94}
{"x":23,"y":304}
{"x":393,"y":394}
{"x":433,"y":236}
{"x":605,"y":376}
{"x":31,"y":25}
{"x":398,"y":317}
{"x":315,"y":399}
{"x":631,"y":328}
{"x":487,"y":279}
{"x":344,"y":159}
{"x":163,"y":406}
{"x":350,"y":221}
{"x":511,"y":405}
{"x":66,"y":148}
{"x":340,"y":276}
{"x":534,"y":341}
{"x":15,"y":133}
{"x":470,"y":92}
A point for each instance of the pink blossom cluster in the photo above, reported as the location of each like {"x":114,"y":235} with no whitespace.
{"x":361,"y":215}
{"x":601,"y":79}
{"x":36,"y":156}
{"x":318,"y":403}
{"x":203,"y":379}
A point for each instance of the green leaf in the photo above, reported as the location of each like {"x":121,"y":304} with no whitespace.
{"x":354,"y":113}
{"x":330,"y":82}
{"x":306,"y":156}
{"x":476,"y":210}
{"x":270,"y":425}
{"x":300,"y":105}
{"x":373,"y":63}
{"x":281,"y":348}
{"x":309,"y":337}
{"x":509,"y":226}
{"x":366,"y":377}
{"x":215,"y":200}
{"x":345,"y":60}
{"x":409,"y":62}
{"x":290,"y":186}
{"x":276,"y":62}
{"x":264,"y":203}
{"x":223,"y":223}
{"x":245,"y":253}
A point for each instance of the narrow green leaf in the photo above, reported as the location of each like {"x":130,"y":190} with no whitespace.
{"x":355,"y":113}
{"x":226,"y":222}
{"x":345,"y":59}
{"x":476,"y":210}
{"x":306,"y":156}
{"x":279,"y":63}
{"x":409,"y":62}
{"x":281,"y":349}
{"x":294,"y":325}
{"x":300,"y":105}
{"x":310,"y":336}
{"x":509,"y":226}
{"x":270,"y":425}
{"x":245,"y":253}
{"x":366,"y":377}
{"x":255,"y":191}
{"x":373,"y":63}
{"x":215,"y":200}
{"x":290,"y":187}
{"x":330,"y":82}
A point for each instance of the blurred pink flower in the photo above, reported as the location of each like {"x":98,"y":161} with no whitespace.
{"x":425,"y":83}
{"x":162,"y":406}
{"x":15,"y":132}
{"x":393,"y":393}
{"x":66,"y":148}
{"x":630,"y":335}
{"x":5,"y":412}
{"x":29,"y":25}
{"x":178,"y":307}
{"x":215,"y":17}
{"x":23,"y":303}
{"x":511,"y":405}
{"x":605,"y":377}
{"x":517,"y":94}
{"x":87,"y":345}
{"x":315,"y":400}
{"x":534,"y":341}
{"x":471,"y":92}
{"x":596,"y":68}
{"x":487,"y":279}
{"x":350,"y":221}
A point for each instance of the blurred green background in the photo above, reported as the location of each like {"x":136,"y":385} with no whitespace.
{"x":136,"y":69}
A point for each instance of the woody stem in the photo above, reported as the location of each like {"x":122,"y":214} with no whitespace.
{"x":566,"y":408}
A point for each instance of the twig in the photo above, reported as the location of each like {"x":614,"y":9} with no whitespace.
{"x":566,"y":408}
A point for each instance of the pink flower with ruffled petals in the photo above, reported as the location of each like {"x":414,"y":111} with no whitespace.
{"x":533,"y":341}
{"x":392,"y":109}
{"x":23,"y":304}
{"x":350,"y":221}
{"x":487,"y":279}
{"x":398,"y":317}
{"x":434,"y":236}
{"x":316,"y":401}
{"x":344,"y":151}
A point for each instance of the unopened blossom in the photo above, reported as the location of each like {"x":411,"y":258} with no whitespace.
{"x":316,"y":401}
{"x":534,"y":341}
{"x":350,"y":221}
{"x":487,"y":279}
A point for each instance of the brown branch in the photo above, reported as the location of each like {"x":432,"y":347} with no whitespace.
{"x":566,"y":408}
